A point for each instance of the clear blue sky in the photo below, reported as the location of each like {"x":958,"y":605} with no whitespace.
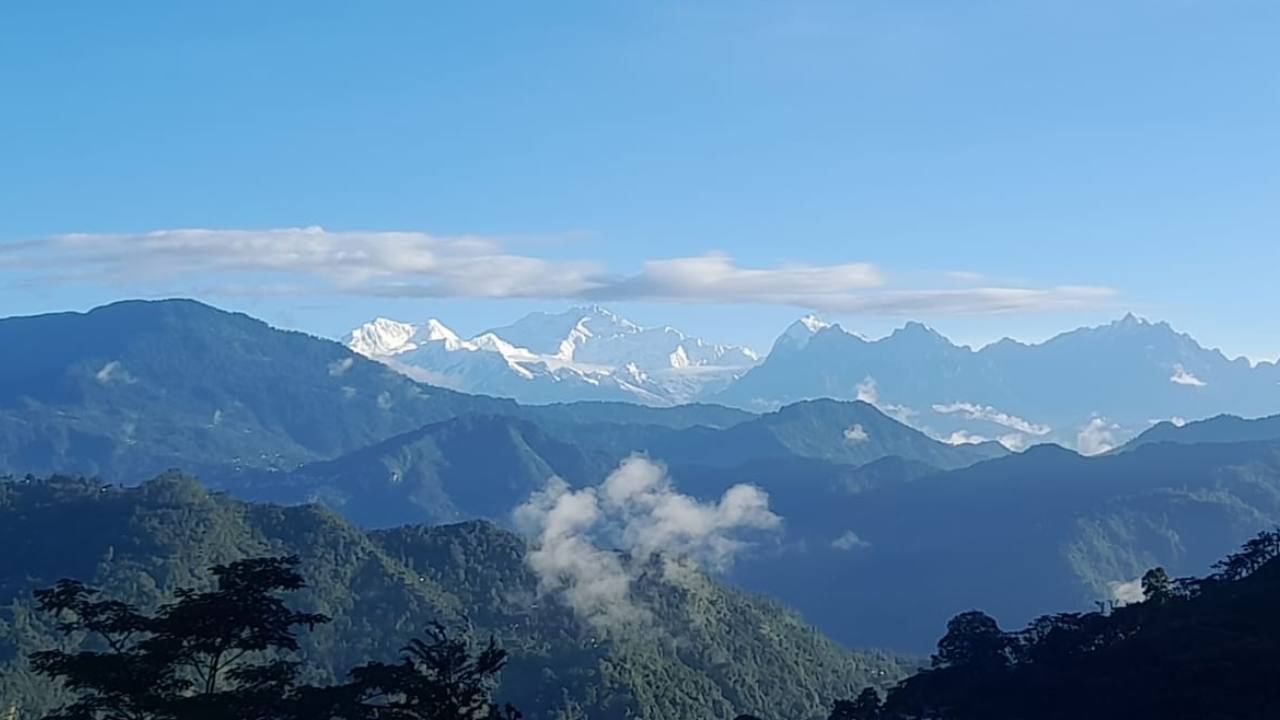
{"x":928,"y":151}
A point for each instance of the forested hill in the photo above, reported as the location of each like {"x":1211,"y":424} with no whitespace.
{"x":1194,"y":649}
{"x":701,"y":651}
{"x":133,"y":388}
{"x":1220,"y":429}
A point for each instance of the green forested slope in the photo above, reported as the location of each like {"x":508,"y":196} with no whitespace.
{"x":704,"y":651}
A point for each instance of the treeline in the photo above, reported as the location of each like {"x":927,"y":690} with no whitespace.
{"x":229,"y":654}
{"x":701,"y":650}
{"x":1201,"y":648}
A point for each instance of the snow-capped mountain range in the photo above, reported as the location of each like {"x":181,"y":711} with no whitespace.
{"x":1090,"y":388}
{"x":585,"y":353}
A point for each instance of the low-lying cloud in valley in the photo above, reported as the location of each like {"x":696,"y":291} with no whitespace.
{"x":868,"y":391}
{"x":974,"y":411}
{"x":856,"y":434}
{"x":589,"y":545}
{"x":1181,"y":376}
{"x":1097,"y":436}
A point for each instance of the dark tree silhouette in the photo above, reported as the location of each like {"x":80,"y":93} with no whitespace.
{"x":1156,"y":585}
{"x":209,"y":655}
{"x":226,"y":654}
{"x":1196,"y":648}
{"x":973,"y":640}
{"x":440,"y":678}
{"x":866,"y":706}
{"x":1255,"y":553}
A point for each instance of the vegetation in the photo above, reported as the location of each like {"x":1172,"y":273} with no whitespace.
{"x":704,"y":651}
{"x":1018,"y":536}
{"x":227,"y":654}
{"x":129,"y":390}
{"x":1194,"y":648}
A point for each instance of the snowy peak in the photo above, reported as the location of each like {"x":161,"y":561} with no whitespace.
{"x":382,"y":337}
{"x":798,"y":334}
{"x":582,"y":353}
{"x":435,"y":330}
{"x":813,"y":324}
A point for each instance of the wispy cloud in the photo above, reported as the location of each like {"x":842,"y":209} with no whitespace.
{"x":974,"y":301}
{"x":868,"y":391}
{"x":849,"y":541}
{"x":973,"y":411}
{"x":716,"y":277}
{"x":1182,"y":376}
{"x":114,"y":372}
{"x":415,"y":264}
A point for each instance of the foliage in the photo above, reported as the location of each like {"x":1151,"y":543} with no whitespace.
{"x":222,"y":653}
{"x":226,"y":654}
{"x":1195,"y":648}
{"x":706,"y":652}
{"x":438,"y":679}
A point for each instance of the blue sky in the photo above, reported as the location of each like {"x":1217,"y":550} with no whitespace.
{"x":991,"y":168}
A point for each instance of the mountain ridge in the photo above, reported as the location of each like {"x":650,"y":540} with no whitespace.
{"x":1113,"y":380}
{"x":584,"y":353}
{"x":139,"y":544}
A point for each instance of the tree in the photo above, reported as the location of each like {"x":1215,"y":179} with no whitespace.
{"x":1255,"y":553}
{"x":225,"y":654}
{"x":1156,"y":585}
{"x":440,"y":678}
{"x":866,"y":706}
{"x":973,"y":640}
{"x":221,"y":653}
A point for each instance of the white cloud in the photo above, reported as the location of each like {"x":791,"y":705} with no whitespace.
{"x":717,"y":278}
{"x":1096,"y":437}
{"x":384,"y":400}
{"x":1016,"y":442}
{"x":964,"y":437}
{"x":849,"y":541}
{"x":416,"y":264}
{"x":638,"y":511}
{"x":114,"y":372}
{"x":1127,"y":593}
{"x":339,"y":367}
{"x":990,"y":414}
{"x":1181,"y":376}
{"x":868,"y":391}
{"x":973,"y":301}
{"x":856,"y":434}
